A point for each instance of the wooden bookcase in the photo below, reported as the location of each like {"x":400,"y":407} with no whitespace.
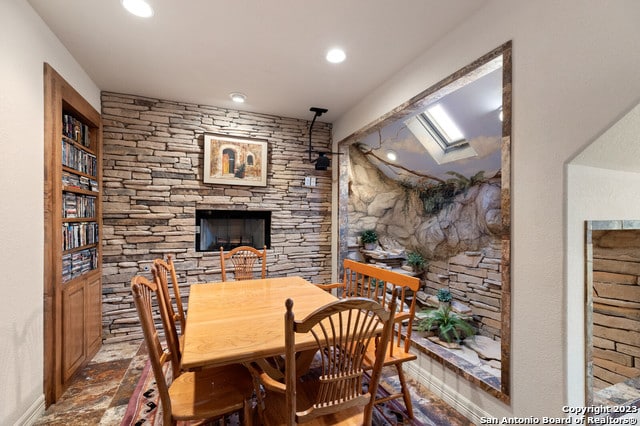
{"x":73,"y":233}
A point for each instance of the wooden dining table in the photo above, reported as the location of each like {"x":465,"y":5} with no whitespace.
{"x":242,"y":321}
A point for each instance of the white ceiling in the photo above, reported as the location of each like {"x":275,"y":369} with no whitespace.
{"x":199,"y":51}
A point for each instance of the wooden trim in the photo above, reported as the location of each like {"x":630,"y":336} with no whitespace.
{"x":51,"y":99}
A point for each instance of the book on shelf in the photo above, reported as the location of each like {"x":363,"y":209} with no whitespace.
{"x":79,"y":234}
{"x":71,"y":180}
{"x":78,"y":263}
{"x":75,"y":129}
{"x":78,"y":205}
{"x":78,"y":159}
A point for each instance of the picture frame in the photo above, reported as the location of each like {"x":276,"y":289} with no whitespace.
{"x":234,"y":160}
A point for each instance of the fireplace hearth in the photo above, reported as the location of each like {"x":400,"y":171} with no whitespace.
{"x":232,"y":228}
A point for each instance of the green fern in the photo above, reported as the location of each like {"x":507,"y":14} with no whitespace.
{"x":450,"y":325}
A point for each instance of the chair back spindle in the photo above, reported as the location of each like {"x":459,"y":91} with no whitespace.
{"x":331,"y":391}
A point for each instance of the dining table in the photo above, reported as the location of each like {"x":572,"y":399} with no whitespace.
{"x":242,"y":321}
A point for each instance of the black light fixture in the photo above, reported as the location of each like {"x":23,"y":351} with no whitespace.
{"x":322,"y":162}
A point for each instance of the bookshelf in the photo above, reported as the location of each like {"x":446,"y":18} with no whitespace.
{"x":73,"y":228}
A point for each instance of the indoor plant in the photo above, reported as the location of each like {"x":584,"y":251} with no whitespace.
{"x":444,"y":296}
{"x":369,"y":239}
{"x":416,"y":261}
{"x":448,"y":325}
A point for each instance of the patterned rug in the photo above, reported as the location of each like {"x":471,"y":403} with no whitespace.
{"x":144,"y":407}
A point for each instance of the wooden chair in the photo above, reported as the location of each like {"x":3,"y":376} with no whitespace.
{"x":331,"y":393}
{"x":243,"y":259}
{"x":175,"y":342}
{"x":207,"y":394}
{"x":166,"y":270}
{"x":365,"y":280}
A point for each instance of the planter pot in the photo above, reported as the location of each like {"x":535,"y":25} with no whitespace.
{"x":370,"y":246}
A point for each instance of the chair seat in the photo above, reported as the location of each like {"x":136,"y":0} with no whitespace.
{"x":399,"y":356}
{"x":274,"y":414}
{"x":210,"y":393}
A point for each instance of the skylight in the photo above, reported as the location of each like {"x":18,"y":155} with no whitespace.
{"x":440,"y":135}
{"x":442,"y":128}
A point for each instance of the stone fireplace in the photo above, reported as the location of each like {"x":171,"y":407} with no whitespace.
{"x":153,"y":188}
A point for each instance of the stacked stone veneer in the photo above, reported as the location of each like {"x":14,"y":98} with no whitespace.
{"x":474,"y":278}
{"x":616,"y":306}
{"x":152,"y":185}
{"x":462,"y":242}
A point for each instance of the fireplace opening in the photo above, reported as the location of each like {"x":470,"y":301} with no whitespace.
{"x":232,"y":228}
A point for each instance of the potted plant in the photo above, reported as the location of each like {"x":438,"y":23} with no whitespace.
{"x":416,"y":261}
{"x":444,"y":296}
{"x":369,"y":239}
{"x":448,"y":325}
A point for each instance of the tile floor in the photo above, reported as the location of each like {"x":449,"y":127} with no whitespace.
{"x":100,"y":392}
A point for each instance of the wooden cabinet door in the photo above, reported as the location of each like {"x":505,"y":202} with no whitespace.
{"x":94,"y":314}
{"x":73,"y":327}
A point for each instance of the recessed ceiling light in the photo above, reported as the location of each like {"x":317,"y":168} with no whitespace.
{"x":238,"y":97}
{"x":335,"y":56}
{"x":138,"y":7}
{"x":392,"y":156}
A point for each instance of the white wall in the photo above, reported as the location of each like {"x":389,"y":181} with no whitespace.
{"x":575,"y":70}
{"x":25,"y":44}
{"x":597,"y":194}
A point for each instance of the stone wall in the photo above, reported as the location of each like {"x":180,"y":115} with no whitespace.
{"x":153,"y":157}
{"x":616,"y":306}
{"x":474,"y":279}
{"x":462,"y":242}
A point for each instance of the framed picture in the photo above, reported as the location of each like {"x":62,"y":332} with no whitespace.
{"x":234,"y":160}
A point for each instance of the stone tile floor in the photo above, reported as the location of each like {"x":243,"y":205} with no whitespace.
{"x":100,"y":392}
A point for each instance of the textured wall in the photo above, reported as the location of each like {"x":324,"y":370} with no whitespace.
{"x":462,"y":247}
{"x":153,"y":155}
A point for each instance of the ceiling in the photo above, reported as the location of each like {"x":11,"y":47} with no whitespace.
{"x":199,"y":51}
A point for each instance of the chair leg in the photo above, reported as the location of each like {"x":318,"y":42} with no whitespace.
{"x":248,"y":412}
{"x":405,"y":391}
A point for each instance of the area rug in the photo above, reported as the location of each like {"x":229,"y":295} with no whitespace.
{"x":145,"y":409}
